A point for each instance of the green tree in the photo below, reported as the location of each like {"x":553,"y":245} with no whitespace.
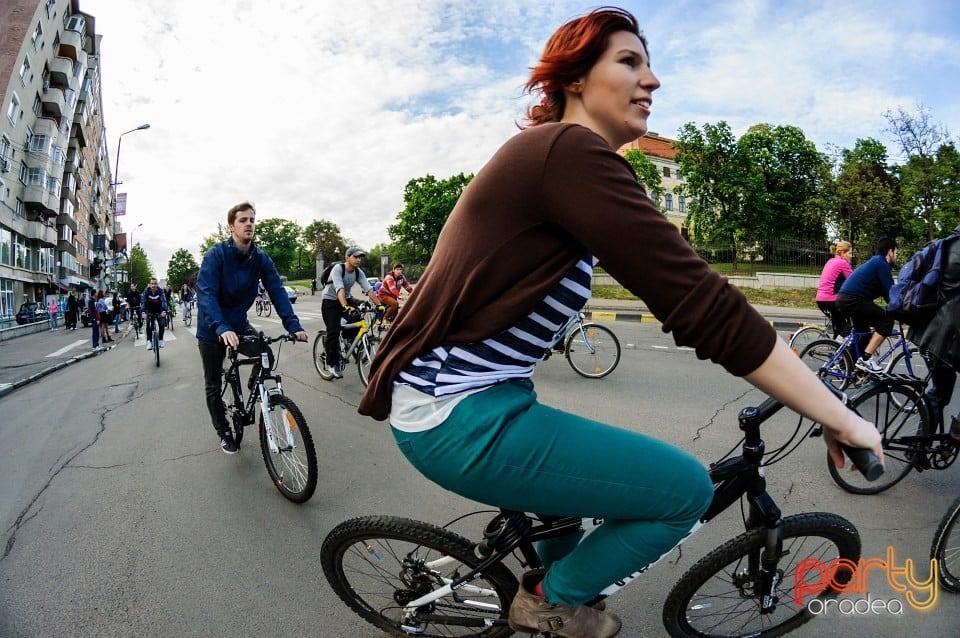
{"x":647,"y":174}
{"x":221,"y":233}
{"x":181,"y":265}
{"x":140,"y":269}
{"x":713,"y":183}
{"x":866,"y":195}
{"x":280,"y":239}
{"x":427,"y":204}
{"x":323,"y":236}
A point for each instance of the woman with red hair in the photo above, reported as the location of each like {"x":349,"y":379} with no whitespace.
{"x":513,"y":262}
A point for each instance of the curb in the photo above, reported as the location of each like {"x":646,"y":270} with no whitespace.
{"x":7,"y":389}
{"x":636,"y":316}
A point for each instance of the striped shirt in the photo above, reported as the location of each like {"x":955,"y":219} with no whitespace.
{"x":456,"y":371}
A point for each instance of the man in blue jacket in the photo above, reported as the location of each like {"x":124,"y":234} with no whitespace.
{"x":870,"y":281}
{"x":226,"y":288}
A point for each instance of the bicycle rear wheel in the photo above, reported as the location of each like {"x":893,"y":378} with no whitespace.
{"x":592,"y":350}
{"x":378,"y":564}
{"x":818,"y":355}
{"x":946,"y":548}
{"x":717,"y":596}
{"x":900,"y":414}
{"x":320,"y":356}
{"x":804,"y":337}
{"x":293,"y":467}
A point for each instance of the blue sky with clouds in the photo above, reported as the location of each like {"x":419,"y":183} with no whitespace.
{"x":326,"y":109}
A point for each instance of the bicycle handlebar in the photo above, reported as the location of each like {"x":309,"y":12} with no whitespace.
{"x":864,"y":460}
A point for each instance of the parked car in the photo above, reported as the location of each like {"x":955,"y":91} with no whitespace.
{"x":291,"y":294}
{"x":32,"y":311}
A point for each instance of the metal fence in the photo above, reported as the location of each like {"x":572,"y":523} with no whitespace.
{"x":773,"y":255}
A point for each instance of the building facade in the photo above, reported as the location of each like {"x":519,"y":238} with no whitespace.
{"x":661,"y":151}
{"x":56,"y":212}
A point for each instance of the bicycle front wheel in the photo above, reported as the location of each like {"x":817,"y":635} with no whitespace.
{"x":320,"y":356}
{"x":818,"y":355}
{"x":379,"y":564}
{"x":267,"y":309}
{"x":913,"y":364}
{"x":900,"y":414}
{"x":718,"y":596}
{"x":365,"y":356}
{"x":946,"y":548}
{"x":155,"y":341}
{"x":803,"y":337}
{"x":592,"y":350}
{"x":259,"y":307}
{"x":293,"y":467}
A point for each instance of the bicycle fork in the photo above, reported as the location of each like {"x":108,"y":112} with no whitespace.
{"x":763,"y":568}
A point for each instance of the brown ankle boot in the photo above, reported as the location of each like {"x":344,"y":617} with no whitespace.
{"x":531,"y":613}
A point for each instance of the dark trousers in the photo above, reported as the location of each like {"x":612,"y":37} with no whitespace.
{"x":942,"y":380}
{"x":332,"y":311}
{"x":161,"y":322}
{"x":212,"y":355}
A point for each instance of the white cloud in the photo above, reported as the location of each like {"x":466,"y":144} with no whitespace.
{"x":327,"y":109}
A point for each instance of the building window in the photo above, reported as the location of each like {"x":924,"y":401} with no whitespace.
{"x":75,"y":23}
{"x":4,"y":154}
{"x":19,"y":209}
{"x":25,"y":71}
{"x":37,"y":37}
{"x":37,"y":103}
{"x":668,"y":201}
{"x":36,"y":177}
{"x":666,"y":171}
{"x":23,"y":172}
{"x":13,"y":108}
{"x":6,"y":247}
{"x":39,"y":144}
{"x":682,"y":203}
{"x":50,"y":6}
{"x":6,"y":297}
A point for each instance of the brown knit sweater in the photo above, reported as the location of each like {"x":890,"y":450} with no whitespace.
{"x":550,"y":194}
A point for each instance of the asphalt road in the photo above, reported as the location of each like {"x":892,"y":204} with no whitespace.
{"x":121,"y":517}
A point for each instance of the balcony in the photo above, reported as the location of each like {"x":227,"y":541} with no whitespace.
{"x":44,"y":233}
{"x":61,"y":71}
{"x":54,"y":103}
{"x":38,"y":200}
{"x":71,"y":44}
{"x":46,"y":126}
{"x":79,"y":133}
{"x":64,"y":246}
{"x":65,"y":219}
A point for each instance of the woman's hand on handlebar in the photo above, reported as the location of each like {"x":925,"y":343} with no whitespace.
{"x":857,"y":433}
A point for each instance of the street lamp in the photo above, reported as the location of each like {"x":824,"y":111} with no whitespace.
{"x":116,"y":182}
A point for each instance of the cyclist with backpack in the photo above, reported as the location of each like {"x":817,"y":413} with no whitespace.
{"x":335,"y":302}
{"x":870,"y":280}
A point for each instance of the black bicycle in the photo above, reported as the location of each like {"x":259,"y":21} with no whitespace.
{"x":285,"y":439}
{"x":946,"y":548}
{"x":408,"y":577}
{"x":153,"y":321}
{"x":912,"y":436}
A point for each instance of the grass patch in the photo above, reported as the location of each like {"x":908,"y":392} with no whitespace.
{"x":784,"y":297}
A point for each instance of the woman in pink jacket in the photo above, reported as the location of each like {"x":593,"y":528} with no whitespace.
{"x":834,"y":273}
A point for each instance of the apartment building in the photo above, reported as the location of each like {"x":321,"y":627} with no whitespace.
{"x":56,"y":213}
{"x":661,"y":152}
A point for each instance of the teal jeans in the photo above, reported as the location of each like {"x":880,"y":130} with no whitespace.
{"x":502,"y":448}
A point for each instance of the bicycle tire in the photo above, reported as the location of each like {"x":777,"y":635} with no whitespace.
{"x":898,"y":411}
{"x":819,"y":353}
{"x":188,"y":318}
{"x":717,"y":589}
{"x":365,"y":356}
{"x":259,"y":306}
{"x":918,"y":365}
{"x":155,"y":341}
{"x":592,"y":350}
{"x":293,"y":469}
{"x":267,"y":308}
{"x":233,"y":413}
{"x":946,"y":548}
{"x":376,"y":564}
{"x":320,"y":356}
{"x":804,"y":337}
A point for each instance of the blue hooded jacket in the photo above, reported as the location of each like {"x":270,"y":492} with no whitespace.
{"x":227,"y":287}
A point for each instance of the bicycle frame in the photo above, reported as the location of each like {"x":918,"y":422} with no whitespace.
{"x":732,"y":478}
{"x":260,"y":374}
{"x":852,"y":345}
{"x":354,"y":346}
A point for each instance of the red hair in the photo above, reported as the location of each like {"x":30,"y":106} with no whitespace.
{"x":569,"y":55}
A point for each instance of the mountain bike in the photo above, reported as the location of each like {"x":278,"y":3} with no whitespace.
{"x":358,"y":339}
{"x":263,"y":307}
{"x":285,"y":440}
{"x":808,"y":333}
{"x":836,"y":362}
{"x":408,"y":577}
{"x":912,"y":437}
{"x":154,"y":332}
{"x":946,"y":548}
{"x":591,"y":349}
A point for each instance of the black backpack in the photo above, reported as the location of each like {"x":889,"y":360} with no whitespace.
{"x":325,"y":273}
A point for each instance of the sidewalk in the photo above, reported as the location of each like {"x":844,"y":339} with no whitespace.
{"x":27,"y":358}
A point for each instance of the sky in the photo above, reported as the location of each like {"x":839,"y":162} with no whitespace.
{"x":325,"y":109}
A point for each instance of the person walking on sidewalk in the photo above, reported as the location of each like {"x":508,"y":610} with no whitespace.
{"x":53,"y":311}
{"x":93,"y":313}
{"x":103,"y":308}
{"x":117,"y":308}
{"x":73,"y":309}
{"x":226,"y":288}
{"x":512,"y":264}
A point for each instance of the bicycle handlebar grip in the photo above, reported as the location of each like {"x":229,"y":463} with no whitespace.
{"x":865,"y":461}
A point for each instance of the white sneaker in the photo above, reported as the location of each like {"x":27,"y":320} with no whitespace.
{"x":161,"y":343}
{"x":869,"y":365}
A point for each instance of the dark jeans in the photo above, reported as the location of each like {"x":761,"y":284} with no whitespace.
{"x":332,"y":311}
{"x":865,"y":315}
{"x":212,"y":355}
{"x":161,"y":321}
{"x":841,"y":327}
{"x":942,"y":380}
